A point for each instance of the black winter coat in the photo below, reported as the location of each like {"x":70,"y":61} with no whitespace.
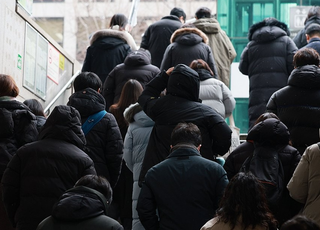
{"x":80,"y":208}
{"x":185,"y":189}
{"x":41,"y":171}
{"x":188,"y":44}
{"x":300,"y":39}
{"x":137,"y":65}
{"x":181,"y":104}
{"x":267,"y":60}
{"x":104,"y":141}
{"x":157,"y":37}
{"x":18,"y":127}
{"x":298,"y":106}
{"x":273,"y":133}
{"x":107,"y":49}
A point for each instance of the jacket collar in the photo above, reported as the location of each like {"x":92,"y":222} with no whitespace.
{"x":183,"y":150}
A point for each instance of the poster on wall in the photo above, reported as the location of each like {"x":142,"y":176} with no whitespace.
{"x":53,"y":64}
{"x":35,"y":62}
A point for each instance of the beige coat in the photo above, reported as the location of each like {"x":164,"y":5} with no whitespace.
{"x":214,"y":224}
{"x":304,"y":185}
{"x":221,"y":46}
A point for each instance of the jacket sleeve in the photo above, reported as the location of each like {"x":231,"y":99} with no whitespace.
{"x":221,"y":136}
{"x":300,"y":39}
{"x":128,"y":148}
{"x":108,"y":89}
{"x":229,"y":166}
{"x":152,"y":92}
{"x":299,"y":182}
{"x":291,"y":50}
{"x":146,"y":208}
{"x":232,"y":51}
{"x":113,"y":151}
{"x":244,"y":61}
{"x":11,"y":187}
{"x":145,"y":39}
{"x":228,"y":100}
{"x":221,"y":184}
{"x":212,"y":64}
{"x":86,"y":67}
{"x":272,"y":104}
{"x":167,"y":59}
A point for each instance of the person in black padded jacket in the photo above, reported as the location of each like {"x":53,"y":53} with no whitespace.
{"x":41,"y":171}
{"x":104,"y":141}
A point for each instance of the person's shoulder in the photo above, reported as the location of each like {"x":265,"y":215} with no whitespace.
{"x":104,"y":222}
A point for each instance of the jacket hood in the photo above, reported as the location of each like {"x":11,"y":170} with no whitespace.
{"x":111,"y":33}
{"x":79,"y":203}
{"x":204,"y":74}
{"x":138,"y":57}
{"x":269,"y":132}
{"x":87,"y":102}
{"x":313,"y":19}
{"x":208,"y":25}
{"x":267,"y":30}
{"x":134,"y":113}
{"x":13,"y":105}
{"x":64,"y":124}
{"x":184,"y":82}
{"x":307,"y":76}
{"x":189,"y":36}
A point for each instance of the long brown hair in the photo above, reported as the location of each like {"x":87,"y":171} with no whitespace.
{"x":245,"y":197}
{"x":8,"y":86}
{"x":130,"y":93}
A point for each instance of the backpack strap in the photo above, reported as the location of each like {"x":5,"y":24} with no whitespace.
{"x":92,"y":121}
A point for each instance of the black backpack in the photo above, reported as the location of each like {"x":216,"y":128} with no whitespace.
{"x":267,"y":167}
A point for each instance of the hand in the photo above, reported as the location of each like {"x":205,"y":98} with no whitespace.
{"x":169,"y":70}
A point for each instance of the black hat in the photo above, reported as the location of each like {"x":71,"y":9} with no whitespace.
{"x":312,"y":28}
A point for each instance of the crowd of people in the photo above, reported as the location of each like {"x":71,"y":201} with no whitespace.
{"x":139,"y":143}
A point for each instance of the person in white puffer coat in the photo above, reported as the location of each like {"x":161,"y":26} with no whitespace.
{"x":135,"y":144}
{"x":213,"y":92}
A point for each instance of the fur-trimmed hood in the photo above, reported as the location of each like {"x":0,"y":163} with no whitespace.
{"x":268,"y":29}
{"x":123,"y":35}
{"x":194,"y":33}
{"x":134,"y":113}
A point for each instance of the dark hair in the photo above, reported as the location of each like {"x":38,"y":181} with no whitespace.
{"x":178,"y":12}
{"x":8,"y":86}
{"x":200,"y":64}
{"x":87,"y":80}
{"x":313,"y":11}
{"x":187,"y":133}
{"x":306,"y":56}
{"x":130,"y":93}
{"x":300,"y":222}
{"x":314,"y":33}
{"x":118,"y":20}
{"x":98,"y":183}
{"x":245,"y":197}
{"x":203,"y":12}
{"x":266,"y":116}
{"x":35,"y":106}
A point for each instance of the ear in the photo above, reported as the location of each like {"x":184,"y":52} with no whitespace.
{"x":199,"y":148}
{"x":181,"y":19}
{"x":307,"y":37}
{"x":99,"y":90}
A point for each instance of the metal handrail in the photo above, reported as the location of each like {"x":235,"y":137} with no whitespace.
{"x":64,"y":88}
